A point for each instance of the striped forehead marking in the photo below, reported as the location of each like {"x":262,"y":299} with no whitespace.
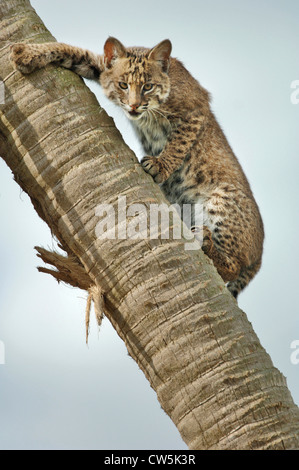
{"x":136,"y":69}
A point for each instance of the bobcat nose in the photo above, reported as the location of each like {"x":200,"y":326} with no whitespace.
{"x":134,"y":106}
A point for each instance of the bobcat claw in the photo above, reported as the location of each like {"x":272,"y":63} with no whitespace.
{"x":154,"y":167}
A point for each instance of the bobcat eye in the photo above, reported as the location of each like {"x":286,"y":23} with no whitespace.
{"x":123,"y":85}
{"x":148,"y":86}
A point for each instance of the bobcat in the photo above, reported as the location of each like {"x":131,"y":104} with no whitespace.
{"x":187,"y":152}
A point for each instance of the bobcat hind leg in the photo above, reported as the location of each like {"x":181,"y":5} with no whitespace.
{"x":228,"y":268}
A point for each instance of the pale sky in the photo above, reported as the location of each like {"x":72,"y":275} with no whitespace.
{"x":56,"y":393}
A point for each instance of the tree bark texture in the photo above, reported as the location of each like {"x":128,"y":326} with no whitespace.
{"x":177,"y":319}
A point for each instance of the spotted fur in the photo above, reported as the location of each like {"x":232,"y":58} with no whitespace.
{"x":187,"y":152}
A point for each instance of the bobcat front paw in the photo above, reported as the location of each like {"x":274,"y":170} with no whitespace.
{"x":207,"y":241}
{"x":22,"y":57}
{"x":154,"y":167}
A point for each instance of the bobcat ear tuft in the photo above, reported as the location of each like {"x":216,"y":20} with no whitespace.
{"x":113,"y":49}
{"x":161,"y":53}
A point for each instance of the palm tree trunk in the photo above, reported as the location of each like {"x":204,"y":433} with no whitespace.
{"x":178,"y":321}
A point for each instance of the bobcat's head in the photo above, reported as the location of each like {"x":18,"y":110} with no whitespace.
{"x":136,"y":78}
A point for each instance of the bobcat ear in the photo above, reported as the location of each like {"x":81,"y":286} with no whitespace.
{"x":113,"y":49}
{"x":161,"y":53}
